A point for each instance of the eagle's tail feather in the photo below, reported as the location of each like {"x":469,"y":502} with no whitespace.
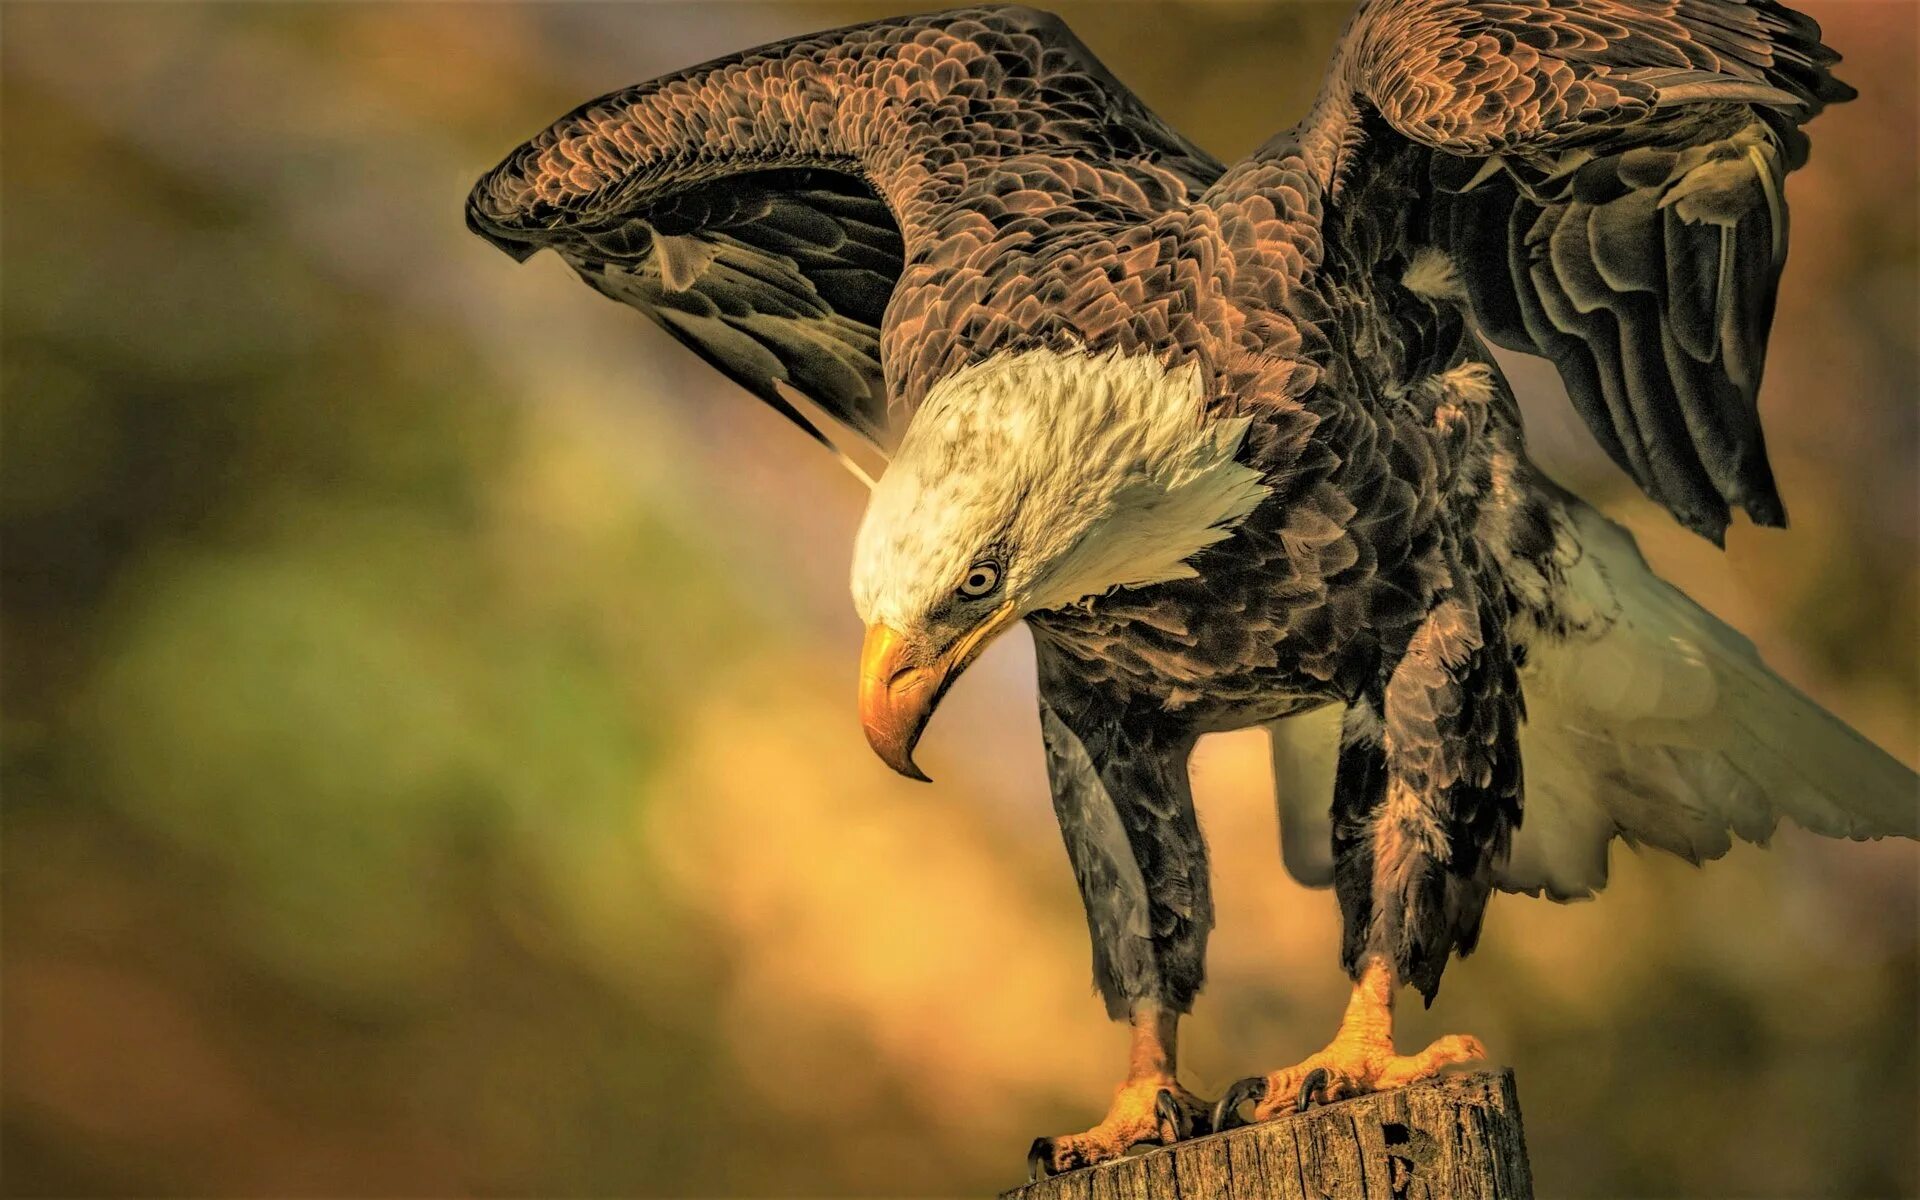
{"x":1648,"y":719}
{"x":1659,"y":723}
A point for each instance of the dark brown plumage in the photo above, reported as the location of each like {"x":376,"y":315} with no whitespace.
{"x":869,"y":214}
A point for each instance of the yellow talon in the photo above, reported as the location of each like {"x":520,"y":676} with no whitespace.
{"x":1150,"y":1107}
{"x":1359,"y":1059}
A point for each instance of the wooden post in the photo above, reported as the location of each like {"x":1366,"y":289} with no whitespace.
{"x":1455,"y":1137}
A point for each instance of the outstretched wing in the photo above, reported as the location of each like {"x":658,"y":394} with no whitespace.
{"x":764,"y":207}
{"x":1600,"y":182}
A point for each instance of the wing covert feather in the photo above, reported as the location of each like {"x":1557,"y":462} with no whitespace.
{"x":1607,"y":178}
{"x":764,"y":208}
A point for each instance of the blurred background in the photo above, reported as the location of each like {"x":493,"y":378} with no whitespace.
{"x":430,"y":759}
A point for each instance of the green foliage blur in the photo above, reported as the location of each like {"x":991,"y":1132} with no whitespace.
{"x":429,"y":759}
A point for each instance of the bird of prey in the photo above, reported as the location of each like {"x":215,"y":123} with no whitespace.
{"x":1231,"y":442}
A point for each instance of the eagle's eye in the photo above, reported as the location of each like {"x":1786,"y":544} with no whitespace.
{"x":982,"y":579}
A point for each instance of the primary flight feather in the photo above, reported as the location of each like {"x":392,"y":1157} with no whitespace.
{"x":1231,"y":443}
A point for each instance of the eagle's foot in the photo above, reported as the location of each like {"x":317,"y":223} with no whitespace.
{"x":1353,"y":1064}
{"x":1153,"y":1109}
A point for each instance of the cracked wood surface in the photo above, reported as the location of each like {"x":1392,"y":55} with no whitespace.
{"x":1456,"y":1137}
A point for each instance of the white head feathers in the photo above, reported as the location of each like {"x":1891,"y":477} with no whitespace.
{"x":1075,"y":474}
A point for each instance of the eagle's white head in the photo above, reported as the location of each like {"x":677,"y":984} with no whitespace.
{"x":1030,"y":482}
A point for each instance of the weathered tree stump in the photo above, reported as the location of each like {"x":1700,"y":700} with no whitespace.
{"x":1457,"y":1137}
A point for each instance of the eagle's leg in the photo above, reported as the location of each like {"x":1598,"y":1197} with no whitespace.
{"x":1126,"y":815}
{"x":1150,"y":1106}
{"x":1426,"y":796}
{"x":1359,"y":1059}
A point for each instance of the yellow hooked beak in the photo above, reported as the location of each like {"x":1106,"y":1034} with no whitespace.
{"x":900,"y":683}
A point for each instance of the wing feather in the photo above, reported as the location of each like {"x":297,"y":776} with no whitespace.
{"x":1639,"y":150}
{"x":763,"y":208}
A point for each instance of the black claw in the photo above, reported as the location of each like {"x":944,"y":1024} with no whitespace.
{"x":1226,"y":1114}
{"x":1039,"y":1159}
{"x":1174,"y":1126}
{"x":1316,"y":1081}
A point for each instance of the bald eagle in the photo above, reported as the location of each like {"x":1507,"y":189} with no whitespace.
{"x":1231,"y":442}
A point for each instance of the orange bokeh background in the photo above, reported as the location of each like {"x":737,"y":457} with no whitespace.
{"x":430,"y":765}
